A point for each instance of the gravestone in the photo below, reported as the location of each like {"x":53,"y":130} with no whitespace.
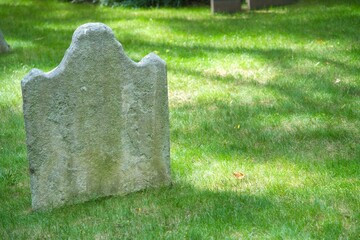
{"x":225,"y":6}
{"x":97,"y":125}
{"x":258,"y":4}
{"x":4,"y":46}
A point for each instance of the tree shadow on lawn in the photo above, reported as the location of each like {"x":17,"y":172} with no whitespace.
{"x":266,"y":129}
{"x":12,"y":140}
{"x":335,"y":24}
{"x":221,"y":118}
{"x":262,"y":132}
{"x":298,"y":126}
{"x":41,"y":42}
{"x":53,"y":24}
{"x":182,"y":211}
{"x":301,"y":114}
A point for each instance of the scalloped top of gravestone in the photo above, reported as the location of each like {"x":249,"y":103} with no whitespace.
{"x":98,"y":124}
{"x":4,"y":46}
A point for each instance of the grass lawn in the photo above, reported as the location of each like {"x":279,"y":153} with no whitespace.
{"x":274,"y":94}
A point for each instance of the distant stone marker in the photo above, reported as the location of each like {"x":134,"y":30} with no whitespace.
{"x":258,"y":4}
{"x":98,"y":124}
{"x":225,"y":6}
{"x":4,"y":46}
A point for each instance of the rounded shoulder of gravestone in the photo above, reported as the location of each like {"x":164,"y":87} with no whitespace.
{"x":90,"y":40}
{"x":4,"y":46}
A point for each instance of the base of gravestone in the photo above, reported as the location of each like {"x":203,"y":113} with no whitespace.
{"x":258,"y":4}
{"x":225,"y":6}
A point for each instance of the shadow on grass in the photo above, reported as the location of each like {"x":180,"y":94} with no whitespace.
{"x":263,"y":126}
{"x":298,"y":123}
{"x":52,"y":23}
{"x":262,"y":132}
{"x":180,"y":212}
{"x":12,"y":139}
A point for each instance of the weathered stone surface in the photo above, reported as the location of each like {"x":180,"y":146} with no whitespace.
{"x":96,"y":125}
{"x":4,"y":46}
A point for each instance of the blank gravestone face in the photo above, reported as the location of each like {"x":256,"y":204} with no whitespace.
{"x":97,"y":125}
